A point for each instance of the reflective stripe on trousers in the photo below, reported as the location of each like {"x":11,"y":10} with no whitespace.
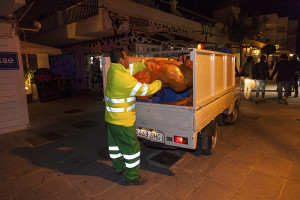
{"x":127,"y":157}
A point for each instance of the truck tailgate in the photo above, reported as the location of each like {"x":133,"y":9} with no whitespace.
{"x":166,"y":115}
{"x":171,"y":120}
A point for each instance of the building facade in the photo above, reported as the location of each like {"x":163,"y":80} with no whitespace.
{"x":13,"y":105}
{"x":278,"y":31}
{"x":135,"y":27}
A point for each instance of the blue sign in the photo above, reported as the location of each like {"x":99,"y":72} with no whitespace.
{"x":9,"y":60}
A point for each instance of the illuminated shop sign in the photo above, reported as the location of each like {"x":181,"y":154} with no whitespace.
{"x":9,"y":60}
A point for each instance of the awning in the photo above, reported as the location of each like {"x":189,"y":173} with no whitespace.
{"x":255,"y":43}
{"x":31,"y":48}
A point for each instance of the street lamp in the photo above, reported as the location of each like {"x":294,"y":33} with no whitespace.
{"x":206,"y":29}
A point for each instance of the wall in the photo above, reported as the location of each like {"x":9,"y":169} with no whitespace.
{"x":43,"y":61}
{"x":292,"y":35}
{"x":137,"y":10}
{"x":13,"y":102}
{"x":7,"y":6}
{"x":270,"y":36}
{"x":273,"y":19}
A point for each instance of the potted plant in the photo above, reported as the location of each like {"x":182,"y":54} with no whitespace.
{"x":29,"y":80}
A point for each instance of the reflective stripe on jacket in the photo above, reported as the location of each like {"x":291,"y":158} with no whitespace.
{"x":120,"y":92}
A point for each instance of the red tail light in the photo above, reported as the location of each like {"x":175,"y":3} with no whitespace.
{"x":180,"y":140}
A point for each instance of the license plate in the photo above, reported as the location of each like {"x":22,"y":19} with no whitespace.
{"x":150,"y":134}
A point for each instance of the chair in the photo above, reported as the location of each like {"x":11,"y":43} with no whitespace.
{"x":47,"y":86}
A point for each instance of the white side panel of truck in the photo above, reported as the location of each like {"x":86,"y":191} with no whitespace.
{"x":214,"y":83}
{"x":212,"y":74}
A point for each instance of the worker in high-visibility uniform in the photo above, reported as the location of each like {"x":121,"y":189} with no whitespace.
{"x":120,"y":114}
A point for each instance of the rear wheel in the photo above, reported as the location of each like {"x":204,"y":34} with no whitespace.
{"x":233,"y":117}
{"x":207,"y":139}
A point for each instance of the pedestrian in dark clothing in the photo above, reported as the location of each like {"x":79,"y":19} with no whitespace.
{"x":284,"y":76}
{"x":295,"y":65}
{"x":261,"y":76}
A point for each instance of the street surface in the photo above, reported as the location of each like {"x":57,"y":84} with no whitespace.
{"x":257,"y":158}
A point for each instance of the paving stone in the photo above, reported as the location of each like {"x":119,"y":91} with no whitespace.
{"x":230,"y":173}
{"x":13,"y":140}
{"x":74,"y":162}
{"x":10,"y":168}
{"x":23,"y":168}
{"x":267,"y":165}
{"x":166,"y":158}
{"x":281,"y":151}
{"x":259,"y":141}
{"x":245,"y":155}
{"x":124,"y":192}
{"x":25,"y":182}
{"x":155,"y":194}
{"x":72,"y":111}
{"x":295,"y":171}
{"x":201,"y":164}
{"x":222,"y":149}
{"x":97,"y":185}
{"x":297,"y":154}
{"x":48,"y":189}
{"x":84,"y":172}
{"x":43,"y":138}
{"x":72,"y":194}
{"x":85,"y":124}
{"x":276,"y":134}
{"x":187,"y":157}
{"x":263,"y":184}
{"x":242,"y":195}
{"x":154,"y":176}
{"x":291,"y":190}
{"x":234,"y":135}
{"x":182,"y":183}
{"x":212,"y":190}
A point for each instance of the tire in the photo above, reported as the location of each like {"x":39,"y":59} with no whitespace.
{"x":207,"y":139}
{"x":233,"y":117}
{"x":221,"y":119}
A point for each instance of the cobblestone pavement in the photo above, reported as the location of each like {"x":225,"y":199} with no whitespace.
{"x":63,"y":155}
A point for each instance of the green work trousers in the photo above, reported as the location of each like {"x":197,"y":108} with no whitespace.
{"x":124,"y":150}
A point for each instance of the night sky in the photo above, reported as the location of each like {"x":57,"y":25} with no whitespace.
{"x":284,"y":8}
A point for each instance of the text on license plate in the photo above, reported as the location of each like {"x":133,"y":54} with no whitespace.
{"x":150,"y":134}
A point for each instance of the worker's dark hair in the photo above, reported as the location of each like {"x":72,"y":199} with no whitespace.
{"x":116,"y":54}
{"x":250,"y":58}
{"x":284,"y":56}
{"x":263,"y":58}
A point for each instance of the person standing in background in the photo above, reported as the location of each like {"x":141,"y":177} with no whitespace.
{"x":261,"y":76}
{"x":247,"y":73}
{"x":283,"y":78}
{"x":295,"y":65}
